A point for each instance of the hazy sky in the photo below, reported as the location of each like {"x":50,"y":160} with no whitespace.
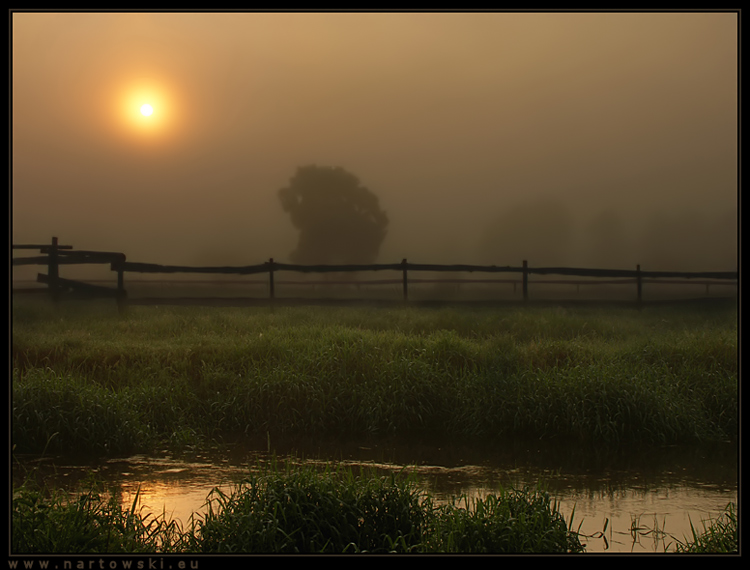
{"x":476,"y":131}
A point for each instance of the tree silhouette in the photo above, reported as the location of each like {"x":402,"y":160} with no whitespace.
{"x":340,"y":221}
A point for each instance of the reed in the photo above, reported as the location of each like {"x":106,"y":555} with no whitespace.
{"x":719,"y":536}
{"x":508,"y":522}
{"x":302,"y":510}
{"x":314,"y":510}
{"x":88,"y":379}
{"x":297,"y":510}
{"x":45,"y":521}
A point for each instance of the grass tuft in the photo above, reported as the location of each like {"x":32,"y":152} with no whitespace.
{"x":719,"y":536}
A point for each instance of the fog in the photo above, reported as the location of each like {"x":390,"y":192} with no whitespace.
{"x":578,"y":139}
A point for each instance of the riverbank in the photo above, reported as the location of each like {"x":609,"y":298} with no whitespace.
{"x":87,"y":380}
{"x":306,"y":509}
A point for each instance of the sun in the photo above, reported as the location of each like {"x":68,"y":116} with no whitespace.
{"x":147,"y":109}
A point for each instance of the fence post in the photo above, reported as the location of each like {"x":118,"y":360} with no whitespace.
{"x":270,"y":279}
{"x":53,"y":271}
{"x":121,"y":293}
{"x":525,"y":280}
{"x":406,"y":291}
{"x":639,"y":283}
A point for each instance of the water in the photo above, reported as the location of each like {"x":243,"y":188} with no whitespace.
{"x":638,"y":500}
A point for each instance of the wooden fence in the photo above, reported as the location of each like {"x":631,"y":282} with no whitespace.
{"x":56,"y":255}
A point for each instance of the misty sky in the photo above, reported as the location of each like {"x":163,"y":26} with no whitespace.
{"x":587,"y":139}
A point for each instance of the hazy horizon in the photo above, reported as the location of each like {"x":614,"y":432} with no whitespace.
{"x":579,"y":139}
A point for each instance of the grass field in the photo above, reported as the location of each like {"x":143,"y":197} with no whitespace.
{"x":86,"y":379}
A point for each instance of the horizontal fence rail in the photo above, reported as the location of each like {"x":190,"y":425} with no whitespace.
{"x":55,"y":255}
{"x":264,"y":282}
{"x":129,"y":266}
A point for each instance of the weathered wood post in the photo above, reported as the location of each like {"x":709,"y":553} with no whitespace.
{"x":121,"y":293}
{"x":639,"y":283}
{"x":406,"y":289}
{"x":272,"y":292}
{"x":525,"y":280}
{"x":53,"y":271}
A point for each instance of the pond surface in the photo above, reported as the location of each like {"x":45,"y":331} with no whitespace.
{"x":641,"y":500}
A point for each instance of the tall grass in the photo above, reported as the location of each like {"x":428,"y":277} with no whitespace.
{"x":302,"y":510}
{"x":719,"y":536}
{"x":85,"y":378}
{"x":45,"y":521}
{"x":510,"y":521}
{"x":313,"y":510}
{"x":298,"y":510}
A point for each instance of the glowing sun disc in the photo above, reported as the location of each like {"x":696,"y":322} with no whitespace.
{"x":146,"y":110}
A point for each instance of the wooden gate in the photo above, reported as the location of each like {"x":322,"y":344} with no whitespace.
{"x":55,"y":255}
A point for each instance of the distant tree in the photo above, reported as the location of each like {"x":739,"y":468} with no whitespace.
{"x":339,"y":220}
